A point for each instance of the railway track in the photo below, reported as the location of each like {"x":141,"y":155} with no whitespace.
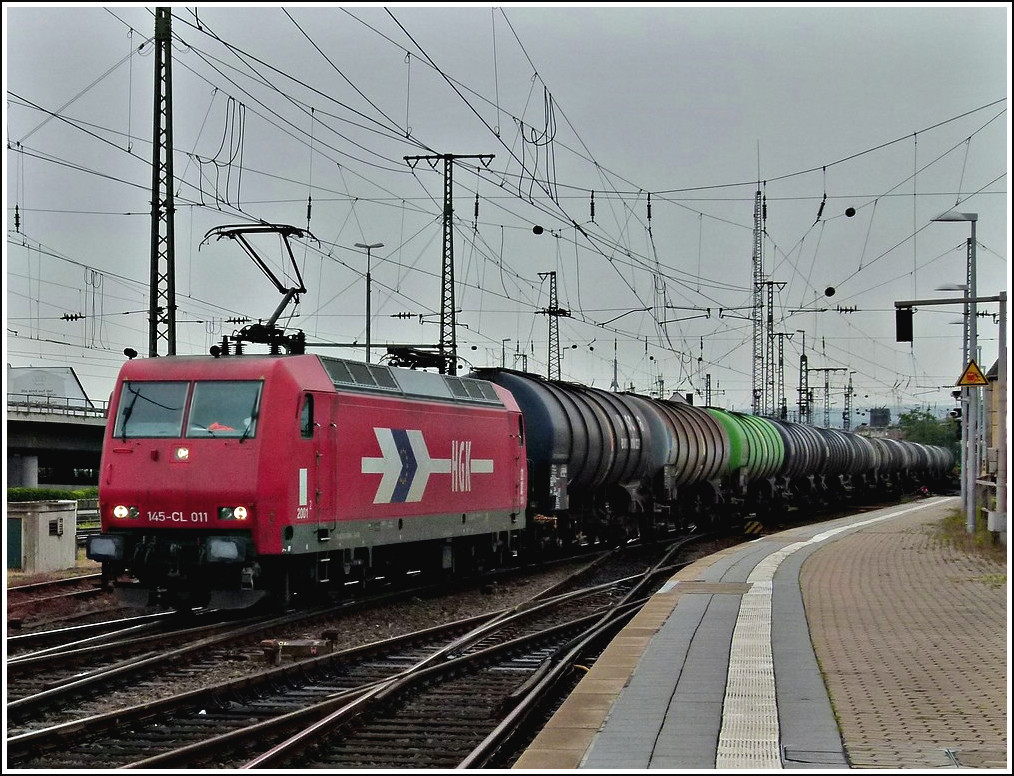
{"x":55,"y":584}
{"x":43,"y":642}
{"x":202,"y":727}
{"x":56,"y":603}
{"x":58,"y":684}
{"x":461,"y":708}
{"x":63,"y":685}
{"x":40,"y":682}
{"x":432,"y":718}
{"x":44,"y":593}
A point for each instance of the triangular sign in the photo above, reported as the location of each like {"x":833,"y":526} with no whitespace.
{"x":972,"y":376}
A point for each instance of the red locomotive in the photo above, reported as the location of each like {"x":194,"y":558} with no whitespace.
{"x":226,"y":479}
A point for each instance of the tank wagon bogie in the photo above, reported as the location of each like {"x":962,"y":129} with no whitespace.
{"x":230,"y":479}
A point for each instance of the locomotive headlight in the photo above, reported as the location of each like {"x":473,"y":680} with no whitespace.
{"x":232,"y":513}
{"x":122,"y":511}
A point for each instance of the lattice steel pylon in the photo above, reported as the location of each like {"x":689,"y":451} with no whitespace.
{"x":846,"y":414}
{"x":448,"y":347}
{"x":804,"y":384}
{"x":448,"y":331}
{"x":827,"y":389}
{"x":553,"y":311}
{"x":615,"y":384}
{"x":770,"y":400}
{"x":162,"y":284}
{"x":805,"y":406}
{"x":781,"y":410}
{"x":756,"y":313}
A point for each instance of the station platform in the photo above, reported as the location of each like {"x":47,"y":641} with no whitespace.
{"x":864,"y":642}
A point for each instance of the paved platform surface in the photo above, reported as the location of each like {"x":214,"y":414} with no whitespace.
{"x":861,"y":643}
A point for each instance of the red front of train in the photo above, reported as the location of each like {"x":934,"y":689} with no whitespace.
{"x":227,"y":479}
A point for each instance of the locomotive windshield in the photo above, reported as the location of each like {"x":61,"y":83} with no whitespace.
{"x":150,"y":409}
{"x":217,"y":409}
{"x":224,"y":408}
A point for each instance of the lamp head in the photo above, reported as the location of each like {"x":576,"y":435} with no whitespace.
{"x":954,"y":215}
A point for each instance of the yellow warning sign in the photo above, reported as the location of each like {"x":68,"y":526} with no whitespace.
{"x":972,"y":375}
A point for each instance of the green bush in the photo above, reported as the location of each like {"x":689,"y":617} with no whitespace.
{"x":50,"y":494}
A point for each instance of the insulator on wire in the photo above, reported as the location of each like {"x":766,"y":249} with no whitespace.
{"x":593,"y":206}
{"x":309,"y":206}
{"x":649,"y":206}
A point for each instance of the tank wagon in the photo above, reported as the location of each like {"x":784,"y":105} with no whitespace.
{"x":229,"y":479}
{"x":608,"y":464}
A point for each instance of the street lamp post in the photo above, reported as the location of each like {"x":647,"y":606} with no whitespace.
{"x":964,"y":392}
{"x":1001,"y":444}
{"x":970,"y":421}
{"x":369,"y":247}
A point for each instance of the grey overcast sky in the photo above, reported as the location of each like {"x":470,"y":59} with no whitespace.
{"x":635,"y":136}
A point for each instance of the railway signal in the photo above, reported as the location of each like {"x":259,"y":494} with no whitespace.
{"x":903,"y":324}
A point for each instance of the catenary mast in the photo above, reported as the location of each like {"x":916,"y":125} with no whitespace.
{"x":162,"y":302}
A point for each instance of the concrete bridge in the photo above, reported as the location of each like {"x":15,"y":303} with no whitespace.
{"x":53,"y":441}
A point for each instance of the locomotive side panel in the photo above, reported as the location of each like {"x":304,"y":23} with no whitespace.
{"x":400,"y":471}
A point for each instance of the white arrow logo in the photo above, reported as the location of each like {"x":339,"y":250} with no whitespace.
{"x":405,"y":465}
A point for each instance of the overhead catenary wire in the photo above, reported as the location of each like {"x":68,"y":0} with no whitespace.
{"x":613,"y":249}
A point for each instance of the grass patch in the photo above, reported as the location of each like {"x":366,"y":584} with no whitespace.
{"x":953,"y":531}
{"x":51,"y":494}
{"x":995,"y":580}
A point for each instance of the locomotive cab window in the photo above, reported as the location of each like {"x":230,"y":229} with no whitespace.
{"x":224,"y":408}
{"x":306,"y":417}
{"x":150,"y":409}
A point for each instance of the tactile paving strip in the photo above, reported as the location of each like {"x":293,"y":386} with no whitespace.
{"x":749,"y":737}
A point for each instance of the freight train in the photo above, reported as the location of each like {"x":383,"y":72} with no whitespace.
{"x":226,"y":480}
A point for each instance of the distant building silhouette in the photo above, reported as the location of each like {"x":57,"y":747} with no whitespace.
{"x":40,"y":384}
{"x":880,"y":417}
